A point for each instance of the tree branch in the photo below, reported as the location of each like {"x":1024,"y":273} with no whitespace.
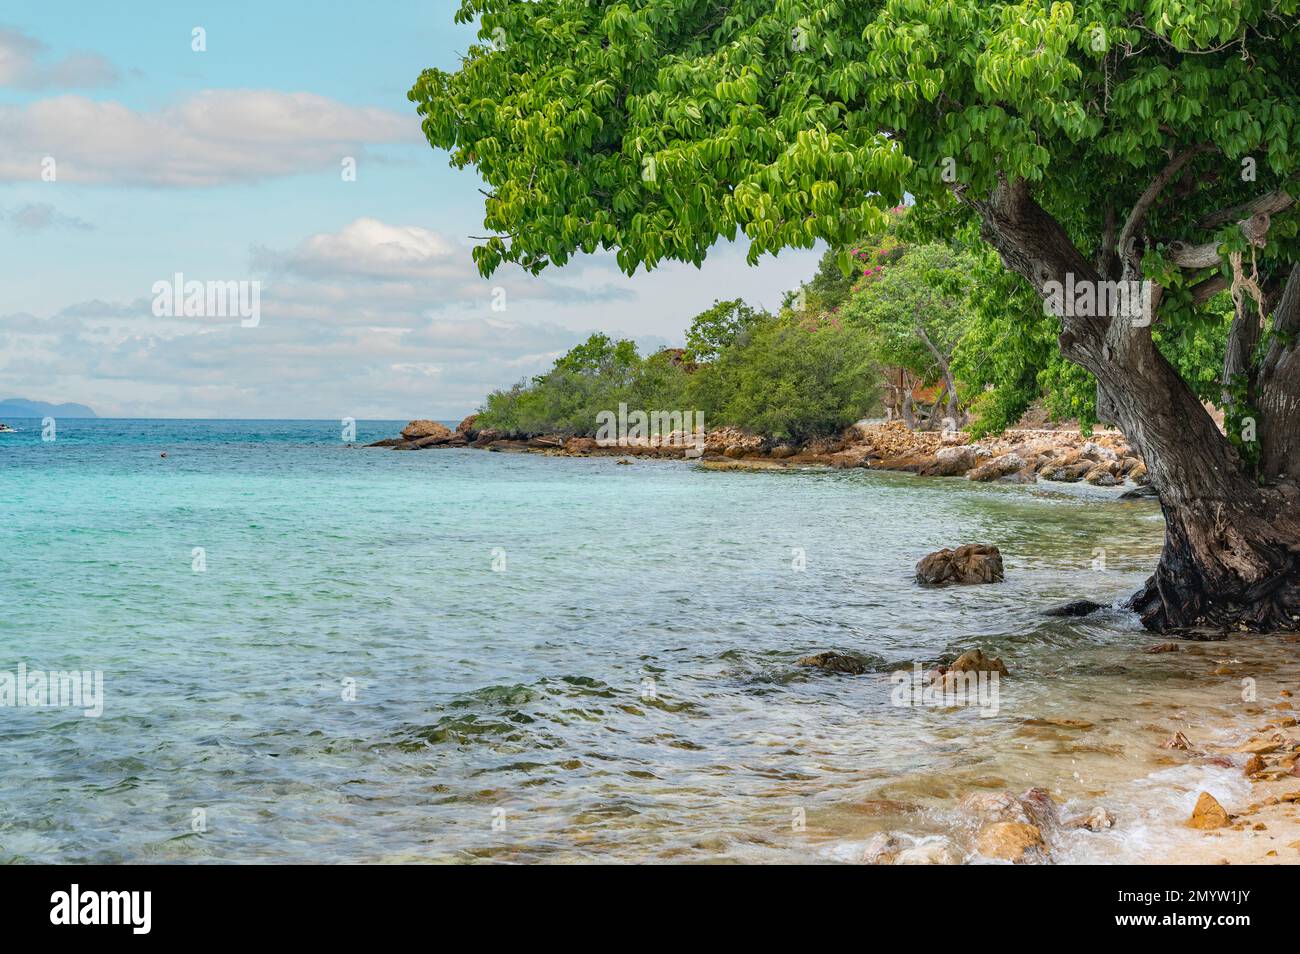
{"x":1270,"y":203}
{"x":1206,"y":255}
{"x":1137,"y":216}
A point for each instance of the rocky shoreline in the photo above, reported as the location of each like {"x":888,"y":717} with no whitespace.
{"x":1020,"y":456}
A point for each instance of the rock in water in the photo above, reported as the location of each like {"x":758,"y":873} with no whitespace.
{"x":974,"y":660}
{"x":972,"y":563}
{"x":1099,"y":820}
{"x":1208,"y":813}
{"x":882,"y":849}
{"x":417,"y":430}
{"x":835,"y":662}
{"x":467,"y":427}
{"x":1077,"y":608}
{"x":1012,"y":841}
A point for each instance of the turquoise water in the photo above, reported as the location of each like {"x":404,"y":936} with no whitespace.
{"x":622,"y":686}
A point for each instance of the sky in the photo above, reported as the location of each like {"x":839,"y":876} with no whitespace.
{"x":128,"y":157}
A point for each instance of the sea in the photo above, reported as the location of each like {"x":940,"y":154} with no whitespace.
{"x":313,"y":651}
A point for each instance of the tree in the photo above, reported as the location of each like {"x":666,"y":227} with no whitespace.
{"x":915,"y":311}
{"x":715,"y":328}
{"x":792,"y":377}
{"x":1096,"y":143}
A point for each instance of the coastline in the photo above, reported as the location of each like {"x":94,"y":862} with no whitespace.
{"x":1025,"y":455}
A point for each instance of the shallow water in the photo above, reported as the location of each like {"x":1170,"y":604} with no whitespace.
{"x":623,"y":686}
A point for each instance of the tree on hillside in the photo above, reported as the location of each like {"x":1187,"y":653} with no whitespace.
{"x":1097,"y":142}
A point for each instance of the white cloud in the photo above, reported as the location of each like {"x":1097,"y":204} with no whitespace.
{"x":39,"y":216}
{"x":369,"y":248}
{"x":24,"y":65}
{"x":212,"y":138}
{"x":405,"y":267}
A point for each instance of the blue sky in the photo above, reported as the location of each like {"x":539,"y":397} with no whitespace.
{"x":224,"y":165}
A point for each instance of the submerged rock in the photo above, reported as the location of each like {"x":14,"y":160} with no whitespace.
{"x":835,"y":662}
{"x":933,"y":852}
{"x":883,"y":848}
{"x":1016,"y":842}
{"x":1099,"y":819}
{"x":1140,"y":492}
{"x":1208,"y":814}
{"x":1077,"y":608}
{"x":969,"y":564}
{"x":993,"y":807}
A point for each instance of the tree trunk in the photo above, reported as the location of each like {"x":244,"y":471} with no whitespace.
{"x":1231,"y":557}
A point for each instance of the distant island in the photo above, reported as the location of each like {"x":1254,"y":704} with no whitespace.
{"x":21,"y":407}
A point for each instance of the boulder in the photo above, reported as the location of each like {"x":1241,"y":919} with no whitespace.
{"x":1097,"y":452}
{"x":486,"y":436}
{"x":1016,"y":842}
{"x":1101,"y":476}
{"x":953,"y":461}
{"x":974,"y":660}
{"x":782,"y":451}
{"x":418,"y":430}
{"x":1208,"y":814}
{"x":972,"y":563}
{"x":1067,"y":473}
{"x":997,"y":468}
{"x":467,"y":427}
{"x":430,"y":440}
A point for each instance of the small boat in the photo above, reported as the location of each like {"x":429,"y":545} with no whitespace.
{"x":6,"y":429}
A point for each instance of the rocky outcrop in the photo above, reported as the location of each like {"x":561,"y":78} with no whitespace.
{"x":421,"y":429}
{"x":969,"y":564}
{"x":467,"y":427}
